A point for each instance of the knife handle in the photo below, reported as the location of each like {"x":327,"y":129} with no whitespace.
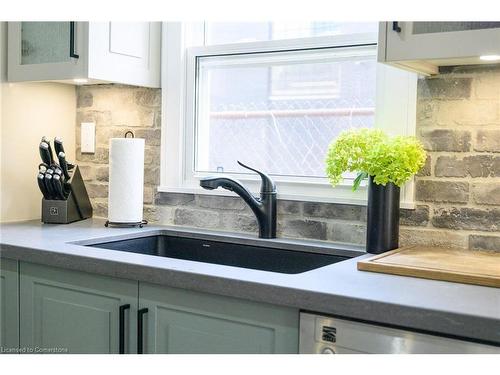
{"x":63,"y":164}
{"x":56,"y":183}
{"x":45,"y":153}
{"x":42,"y":168}
{"x":41,"y":185}
{"x":58,"y":145}
{"x":48,"y":185}
{"x":58,"y":170}
{"x":51,"y":155}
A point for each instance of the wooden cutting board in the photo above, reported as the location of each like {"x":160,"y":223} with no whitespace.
{"x":437,"y":263}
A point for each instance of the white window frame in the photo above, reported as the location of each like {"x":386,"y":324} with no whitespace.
{"x":395,"y":113}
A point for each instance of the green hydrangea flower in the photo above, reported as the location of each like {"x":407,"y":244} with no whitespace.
{"x":371,"y":152}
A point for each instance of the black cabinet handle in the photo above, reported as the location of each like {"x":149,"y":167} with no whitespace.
{"x":72,"y":52}
{"x":122,"y":328}
{"x":396,"y":27}
{"x":140,"y":329}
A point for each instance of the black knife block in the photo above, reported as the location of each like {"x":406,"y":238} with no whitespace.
{"x":76,"y":207}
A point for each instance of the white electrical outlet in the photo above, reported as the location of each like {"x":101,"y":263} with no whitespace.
{"x":88,"y":138}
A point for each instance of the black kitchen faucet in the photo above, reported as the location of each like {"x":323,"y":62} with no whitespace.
{"x":264,"y":207}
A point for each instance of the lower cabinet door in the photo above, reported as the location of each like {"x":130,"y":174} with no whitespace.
{"x":180,"y":321}
{"x":9,"y":306}
{"x":64,"y":311}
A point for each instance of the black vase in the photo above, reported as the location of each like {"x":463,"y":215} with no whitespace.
{"x":382,"y":232}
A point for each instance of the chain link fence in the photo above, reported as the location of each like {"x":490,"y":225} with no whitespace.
{"x":290,"y":138}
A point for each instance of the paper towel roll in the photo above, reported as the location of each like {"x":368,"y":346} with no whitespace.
{"x":126,"y":180}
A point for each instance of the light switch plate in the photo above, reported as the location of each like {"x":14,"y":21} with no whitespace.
{"x":88,"y":138}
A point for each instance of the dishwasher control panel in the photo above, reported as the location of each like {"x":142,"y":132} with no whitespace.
{"x":330,"y":335}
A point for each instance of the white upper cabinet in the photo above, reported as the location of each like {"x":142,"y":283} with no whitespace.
{"x":425,"y":46}
{"x":100,"y":52}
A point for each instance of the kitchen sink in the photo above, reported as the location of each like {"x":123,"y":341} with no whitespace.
{"x":224,"y":253}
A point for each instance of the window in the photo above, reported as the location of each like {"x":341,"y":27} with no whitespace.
{"x":241,"y":32}
{"x":274,"y":95}
{"x":278,"y":111}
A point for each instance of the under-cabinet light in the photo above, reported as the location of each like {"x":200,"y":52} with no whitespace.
{"x":80,"y":80}
{"x":490,"y":57}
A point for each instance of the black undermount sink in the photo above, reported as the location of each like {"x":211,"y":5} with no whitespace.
{"x":224,"y":253}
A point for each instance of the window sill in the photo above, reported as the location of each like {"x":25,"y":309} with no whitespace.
{"x":292,"y":197}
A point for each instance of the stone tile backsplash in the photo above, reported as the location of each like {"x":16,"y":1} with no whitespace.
{"x":457,"y":192}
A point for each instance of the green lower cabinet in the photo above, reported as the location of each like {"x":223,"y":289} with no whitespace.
{"x":9,"y":306}
{"x":65,"y":311}
{"x":181,"y":321}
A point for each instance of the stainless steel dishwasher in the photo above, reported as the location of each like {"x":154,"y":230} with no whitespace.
{"x":328,"y":335}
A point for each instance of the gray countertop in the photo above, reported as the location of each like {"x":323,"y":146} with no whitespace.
{"x":339,"y":289}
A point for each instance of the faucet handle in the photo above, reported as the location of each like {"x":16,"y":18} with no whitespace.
{"x":268,"y":185}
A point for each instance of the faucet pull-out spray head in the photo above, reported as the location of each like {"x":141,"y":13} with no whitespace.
{"x":267,"y":186}
{"x":209,"y":183}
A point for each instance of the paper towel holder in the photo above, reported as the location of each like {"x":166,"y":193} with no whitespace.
{"x":114,"y":224}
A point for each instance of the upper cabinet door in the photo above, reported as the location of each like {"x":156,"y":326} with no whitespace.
{"x":85,"y":52}
{"x":46,"y":50}
{"x":45,"y":42}
{"x":125,"y":52}
{"x":428,"y":45}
